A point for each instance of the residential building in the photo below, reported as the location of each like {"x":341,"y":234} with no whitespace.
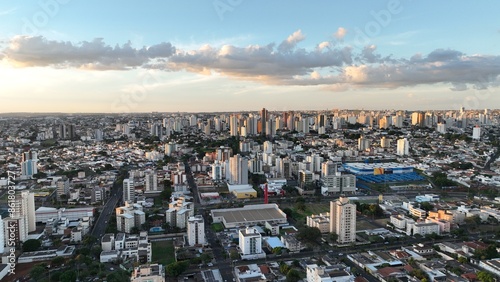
{"x":321,"y":221}
{"x":343,"y":220}
{"x":196,"y":230}
{"x":250,"y":241}
{"x":129,"y":216}
{"x":148,"y":273}
{"x":403,"y":148}
{"x":178,"y":213}
{"x":338,"y":183}
{"x":128,"y":190}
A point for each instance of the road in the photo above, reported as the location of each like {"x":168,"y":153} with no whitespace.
{"x":115,"y":197}
{"x":220,"y":260}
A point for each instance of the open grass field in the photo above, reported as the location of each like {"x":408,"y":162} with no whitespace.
{"x":163,"y":252}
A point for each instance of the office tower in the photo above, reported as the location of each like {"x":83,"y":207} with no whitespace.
{"x":128,"y":190}
{"x":151,"y":181}
{"x":339,"y":183}
{"x":250,"y":241}
{"x":403,"y":147}
{"x":398,"y":120}
{"x":255,"y":166}
{"x":476,"y":132}
{"x":343,"y":220}
{"x":196,"y":230}
{"x":233,"y":125}
{"x":290,"y":122}
{"x":263,"y":121}
{"x":238,"y":170}
{"x":193,"y":120}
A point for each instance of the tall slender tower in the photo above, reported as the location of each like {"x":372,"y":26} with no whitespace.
{"x":263,"y":120}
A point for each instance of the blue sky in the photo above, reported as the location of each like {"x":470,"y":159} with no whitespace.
{"x":230,"y":55}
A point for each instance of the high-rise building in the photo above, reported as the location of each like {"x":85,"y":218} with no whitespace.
{"x":233,"y":125}
{"x":328,"y":168}
{"x":476,"y":132}
{"x":363,"y":143}
{"x":62,"y":187}
{"x":385,"y":142}
{"x":263,"y":121}
{"x":286,"y":168}
{"x":250,"y":241}
{"x":238,"y":170}
{"x":403,"y":148}
{"x":343,"y":220}
{"x":2,"y":236}
{"x":151,"y":181}
{"x":128,"y":190}
{"x":29,"y":164}
{"x":196,"y":230}
{"x":129,"y":216}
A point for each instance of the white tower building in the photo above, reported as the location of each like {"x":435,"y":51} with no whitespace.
{"x":128,"y":190}
{"x":403,"y":148}
{"x":343,"y":220}
{"x":196,"y":230}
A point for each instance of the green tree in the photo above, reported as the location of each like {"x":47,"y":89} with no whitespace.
{"x":177,"y":268}
{"x":310,"y":234}
{"x":37,"y":272}
{"x":462,"y":260}
{"x":57,"y":261}
{"x":333,"y":237}
{"x":293,"y":276}
{"x":284,"y":268}
{"x":31,"y":245}
{"x":485,"y":276}
{"x":68,"y":276}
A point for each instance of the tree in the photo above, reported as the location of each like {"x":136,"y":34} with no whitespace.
{"x":426,"y":206}
{"x":462,"y":260}
{"x":177,"y":268}
{"x":485,"y":276}
{"x":57,"y":261}
{"x":284,"y":268}
{"x":333,"y":237}
{"x":37,"y":272}
{"x":68,"y":275}
{"x":31,"y":245}
{"x":293,"y":276}
{"x":288,"y":212}
{"x":310,"y":234}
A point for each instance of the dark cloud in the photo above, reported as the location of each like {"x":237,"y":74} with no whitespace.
{"x":38,"y":51}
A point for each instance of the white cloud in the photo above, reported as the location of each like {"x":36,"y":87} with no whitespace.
{"x":291,"y":42}
{"x":340,"y":33}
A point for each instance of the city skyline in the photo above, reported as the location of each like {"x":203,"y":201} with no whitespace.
{"x":226,"y":56}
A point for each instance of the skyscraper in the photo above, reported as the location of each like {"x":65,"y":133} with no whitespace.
{"x":343,"y":220}
{"x":233,"y":125}
{"x":263,"y":121}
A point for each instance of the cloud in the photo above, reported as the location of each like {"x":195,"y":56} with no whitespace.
{"x":291,"y":42}
{"x":333,"y":66}
{"x":26,"y":51}
{"x":340,"y":33}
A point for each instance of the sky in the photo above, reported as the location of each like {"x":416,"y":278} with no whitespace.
{"x":241,"y":55}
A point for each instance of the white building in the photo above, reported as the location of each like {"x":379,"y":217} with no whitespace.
{"x":148,"y":273}
{"x":129,"y":216}
{"x":151,"y":182}
{"x":338,"y":183}
{"x":128,"y":190}
{"x":2,"y":237}
{"x":238,"y":170}
{"x":343,"y":220}
{"x":317,"y":273}
{"x":476,"y":132}
{"x":251,"y":243}
{"x":422,"y":228}
{"x":196,"y":230}
{"x":403,"y":147}
{"x":400,"y":221}
{"x":178,"y":213}
{"x":125,"y":247}
{"x":321,"y":221}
